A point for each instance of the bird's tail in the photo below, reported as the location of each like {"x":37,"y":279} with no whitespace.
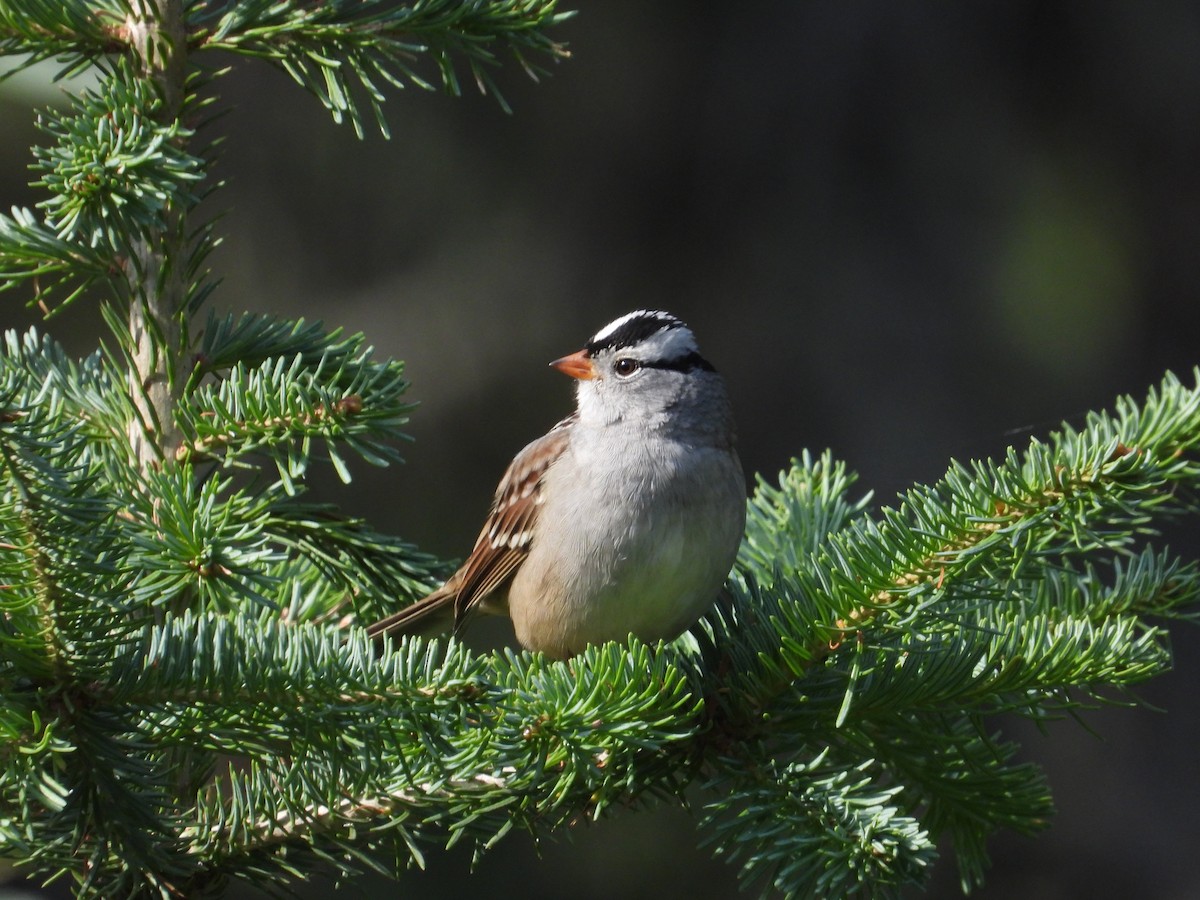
{"x":429,"y":616}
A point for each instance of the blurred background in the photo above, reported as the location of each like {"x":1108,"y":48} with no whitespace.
{"x":906,"y":232}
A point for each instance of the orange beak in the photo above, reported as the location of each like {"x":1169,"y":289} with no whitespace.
{"x":577,"y":365}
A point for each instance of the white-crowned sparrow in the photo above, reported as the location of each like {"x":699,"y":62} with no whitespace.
{"x":624,"y":519}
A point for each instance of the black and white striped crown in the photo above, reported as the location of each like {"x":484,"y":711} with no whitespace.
{"x":661,"y":339}
{"x":636,"y":327}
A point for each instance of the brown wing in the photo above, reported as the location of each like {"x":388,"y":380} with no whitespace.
{"x":504,"y":541}
{"x":501,"y":546}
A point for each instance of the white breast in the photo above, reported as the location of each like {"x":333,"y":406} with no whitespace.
{"x":639,"y":547}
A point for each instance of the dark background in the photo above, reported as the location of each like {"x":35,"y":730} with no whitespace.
{"x":906,"y":232}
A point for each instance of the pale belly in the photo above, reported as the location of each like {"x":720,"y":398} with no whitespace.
{"x":652,"y":571}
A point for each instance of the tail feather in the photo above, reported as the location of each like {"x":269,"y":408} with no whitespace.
{"x":432,"y":615}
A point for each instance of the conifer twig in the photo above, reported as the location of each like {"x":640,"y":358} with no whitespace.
{"x":155,"y":270}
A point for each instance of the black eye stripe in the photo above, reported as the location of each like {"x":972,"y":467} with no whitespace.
{"x":683,"y":364}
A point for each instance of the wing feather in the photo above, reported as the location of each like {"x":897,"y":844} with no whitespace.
{"x":501,"y":547}
{"x":508,"y":532}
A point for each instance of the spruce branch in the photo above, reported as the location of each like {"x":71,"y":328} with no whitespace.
{"x":157,"y":289}
{"x":277,"y":388}
{"x":966,"y":597}
{"x":347,"y":554}
{"x":76,"y":30}
{"x":440,"y":740}
{"x":965,"y":780}
{"x":114,"y":170}
{"x":32,"y":252}
{"x":336,"y":49}
{"x":791,"y":816}
{"x":137,"y":517}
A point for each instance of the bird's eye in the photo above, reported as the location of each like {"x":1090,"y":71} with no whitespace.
{"x":626,"y":366}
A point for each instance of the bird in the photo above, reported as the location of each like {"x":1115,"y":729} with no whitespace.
{"x":624,"y":518}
